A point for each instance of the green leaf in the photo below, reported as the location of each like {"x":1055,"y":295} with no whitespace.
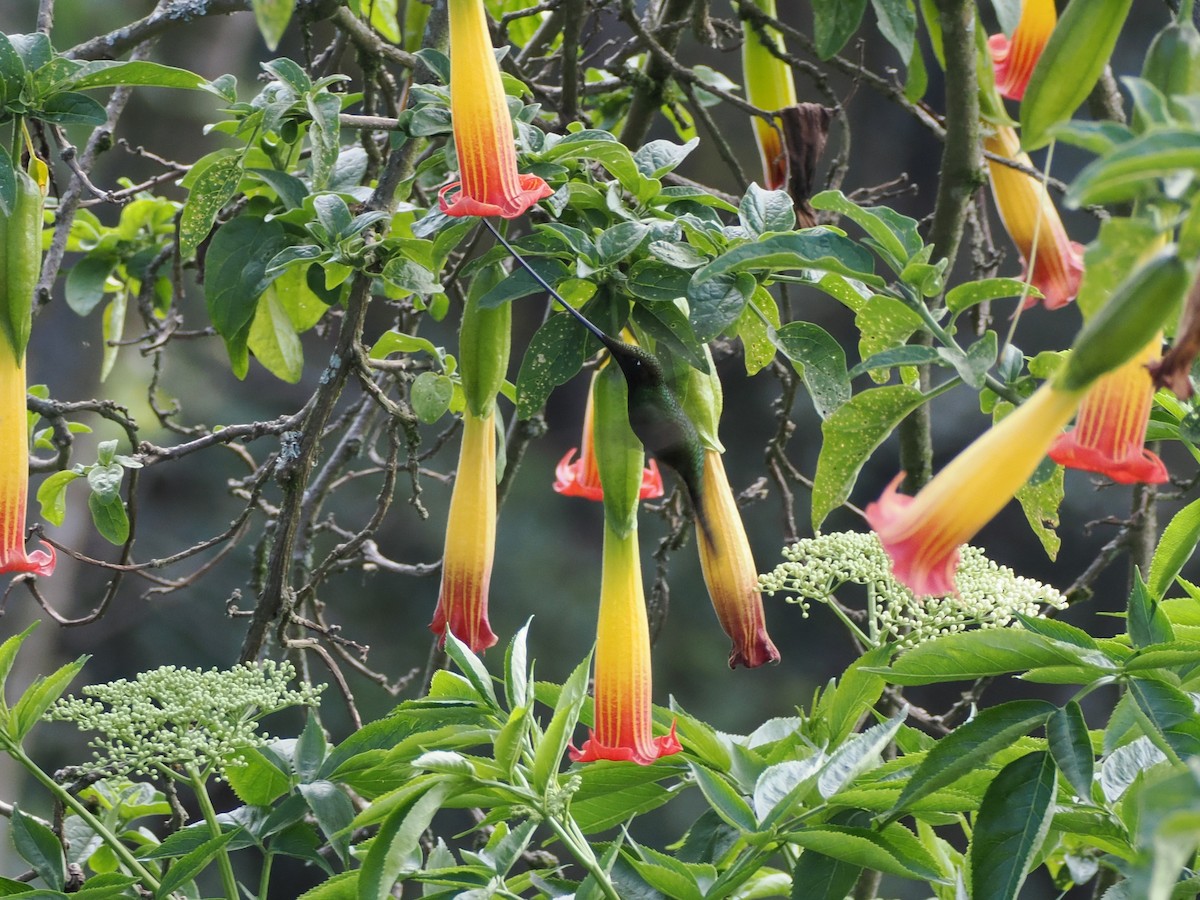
{"x":86,"y":282}
{"x":12,"y":72}
{"x":884,"y":323}
{"x":657,"y":158}
{"x":235,"y":269}
{"x":397,"y":839}
{"x":69,"y":108}
{"x":973,"y":365}
{"x":893,"y":236}
{"x":667,"y":324}
{"x":762,"y":211}
{"x":617,"y":242}
{"x":850,"y":436}
{"x":1067,"y":735}
{"x":754,"y":328}
{"x":1070,"y":65}
{"x":856,"y":692}
{"x":1175,"y":548}
{"x":820,"y":877}
{"x":833,"y":23}
{"x":324,"y":108}
{"x":657,"y":282}
{"x":430,"y":395}
{"x":473,"y":668}
{"x":611,"y":793}
{"x":1146,"y":621}
{"x":898,"y":24}
{"x":190,"y":865}
{"x":310,"y":749}
{"x":871,"y":850}
{"x":52,"y":495}
{"x":1133,"y":168}
{"x":272,"y":17}
{"x":909,"y":355}
{"x":113,"y":329}
{"x":273,"y":339}
{"x":39,"y":847}
{"x":971,"y":745}
{"x":1170,"y":714}
{"x":549,"y":751}
{"x":858,"y":754}
{"x":992,"y":651}
{"x":819,"y":359}
{"x":716,"y":304}
{"x":109,"y":517}
{"x":555,"y":355}
{"x":213,"y":188}
{"x":964,"y":296}
{"x":522,"y":284}
{"x":8,"y":177}
{"x":814,"y":249}
{"x":724,"y":799}
{"x":1040,"y":502}
{"x":1012,"y":823}
{"x":39,"y":697}
{"x":256,"y":780}
{"x":333,"y":811}
{"x":109,"y":73}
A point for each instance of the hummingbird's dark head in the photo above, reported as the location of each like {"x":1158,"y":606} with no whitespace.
{"x":638,"y":365}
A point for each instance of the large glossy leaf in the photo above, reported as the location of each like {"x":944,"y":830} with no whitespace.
{"x":1067,"y":734}
{"x":971,"y":745}
{"x":1131,"y":169}
{"x":1170,"y":714}
{"x":834,"y":21}
{"x":212,"y":189}
{"x":1012,"y":823}
{"x":820,"y":360}
{"x":1175,"y":548}
{"x":813,"y":249}
{"x":396,"y":840}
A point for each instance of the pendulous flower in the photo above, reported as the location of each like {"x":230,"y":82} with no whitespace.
{"x":14,"y":471}
{"x":581,"y":477}
{"x":623,"y":719}
{"x":483,"y":128}
{"x":624,"y":727}
{"x":462,"y":606}
{"x":1110,"y":431}
{"x":1033,"y":223}
{"x":770,"y":87}
{"x":922,"y":534}
{"x":21,"y":251}
{"x":1014,"y":59}
{"x":729,"y":570}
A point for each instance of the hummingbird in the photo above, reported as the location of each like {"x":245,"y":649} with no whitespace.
{"x":655,"y":413}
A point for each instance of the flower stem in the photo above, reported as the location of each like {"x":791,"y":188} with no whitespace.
{"x":582,"y":851}
{"x":73,"y":803}
{"x":210,"y":816}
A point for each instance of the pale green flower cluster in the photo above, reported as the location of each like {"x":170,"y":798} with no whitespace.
{"x":174,"y":720}
{"x":989,"y":595}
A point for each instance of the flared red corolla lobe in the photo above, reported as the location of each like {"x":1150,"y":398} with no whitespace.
{"x":1014,"y":59}
{"x":729,"y":570}
{"x":470,"y":539}
{"x":1109,"y":436}
{"x":771,"y":87}
{"x":922,"y":534}
{"x":581,"y":477}
{"x":1033,"y":224}
{"x":14,"y":471}
{"x":623,"y":724}
{"x":483,"y":128}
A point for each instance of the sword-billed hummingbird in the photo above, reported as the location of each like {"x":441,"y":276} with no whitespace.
{"x":655,"y":414}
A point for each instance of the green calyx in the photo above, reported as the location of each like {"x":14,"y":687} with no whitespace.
{"x":20,"y":261}
{"x":1133,"y":315}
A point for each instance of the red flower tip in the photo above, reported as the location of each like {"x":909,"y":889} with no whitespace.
{"x":593,"y":750}
{"x":1057,"y":277}
{"x":1139,"y":467}
{"x":39,"y":562}
{"x":577,"y":479}
{"x":758,"y":651}
{"x":912,"y":565}
{"x":510,"y":206}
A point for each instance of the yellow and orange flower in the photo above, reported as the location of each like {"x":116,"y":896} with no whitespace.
{"x":1110,"y":431}
{"x":1014,"y":59}
{"x":624,"y":727}
{"x":1033,"y":223}
{"x":462,"y":605}
{"x":483,"y":128}
{"x":923,"y":534}
{"x":14,"y":471}
{"x":729,"y":570}
{"x":581,"y":477}
{"x":771,"y":87}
